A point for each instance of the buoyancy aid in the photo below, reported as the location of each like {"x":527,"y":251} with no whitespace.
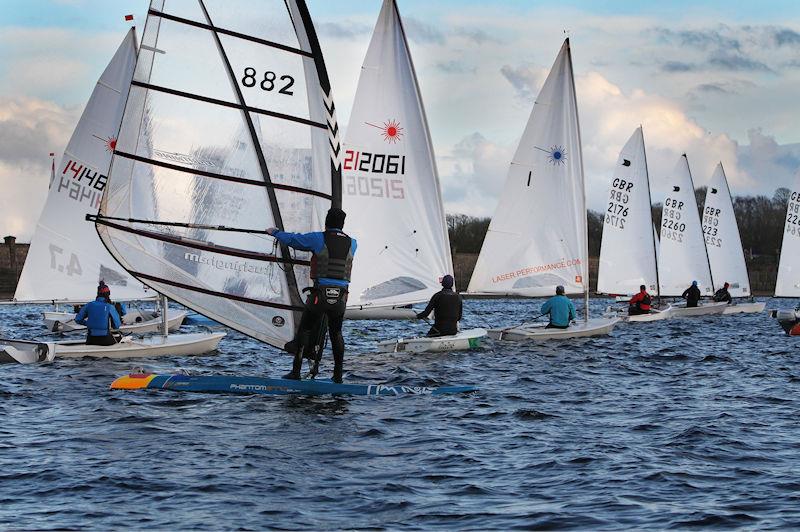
{"x":335,"y":259}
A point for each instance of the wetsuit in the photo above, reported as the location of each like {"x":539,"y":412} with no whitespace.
{"x":723,"y":295}
{"x":561,"y":311}
{"x":447,"y":308}
{"x":691,"y":295}
{"x":96,"y":317}
{"x":639,"y":304}
{"x":330,"y":270}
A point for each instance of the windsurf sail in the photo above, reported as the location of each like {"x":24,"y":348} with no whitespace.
{"x":537,"y":238}
{"x":66,"y":259}
{"x":682,"y":253}
{"x":628,"y":249}
{"x":724,"y":244}
{"x":391,"y":190}
{"x":788,"y":284}
{"x":230,"y":129}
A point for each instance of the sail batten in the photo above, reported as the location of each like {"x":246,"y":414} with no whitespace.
{"x":230,"y":129}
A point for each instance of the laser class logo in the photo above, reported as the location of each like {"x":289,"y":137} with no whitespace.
{"x":391,"y":130}
{"x":556,"y":154}
{"x":110,"y":142}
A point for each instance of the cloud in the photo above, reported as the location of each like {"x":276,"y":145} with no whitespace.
{"x":476,"y":35}
{"x":526,"y":79}
{"x":786,"y":37}
{"x":736,"y":62}
{"x":677,"y":66}
{"x":455,"y":67}
{"x":422,"y":32}
{"x":702,"y":39}
{"x":768,"y":161}
{"x":343,"y":30}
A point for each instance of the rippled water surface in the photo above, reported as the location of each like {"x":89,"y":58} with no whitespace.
{"x":678,"y":423}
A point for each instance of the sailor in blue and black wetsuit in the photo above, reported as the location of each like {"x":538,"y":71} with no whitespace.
{"x":99,"y":316}
{"x":331,"y":263}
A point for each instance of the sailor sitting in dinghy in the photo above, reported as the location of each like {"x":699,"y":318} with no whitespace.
{"x":331,"y":263}
{"x":723,"y":295}
{"x":98,"y":317}
{"x":447,"y":308}
{"x":560,"y":309}
{"x":640,"y":303}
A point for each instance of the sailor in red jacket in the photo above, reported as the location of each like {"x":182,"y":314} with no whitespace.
{"x":640,"y":303}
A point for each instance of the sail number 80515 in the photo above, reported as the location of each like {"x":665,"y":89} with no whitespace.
{"x":267,"y":83}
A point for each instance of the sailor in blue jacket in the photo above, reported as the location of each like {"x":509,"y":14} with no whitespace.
{"x":331,"y":264}
{"x":99,"y":316}
{"x":560,"y":309}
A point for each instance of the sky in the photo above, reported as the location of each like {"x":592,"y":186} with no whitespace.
{"x":714,"y":79}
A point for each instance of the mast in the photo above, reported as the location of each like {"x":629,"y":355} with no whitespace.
{"x":650,"y":196}
{"x":705,"y":247}
{"x":583,"y":192}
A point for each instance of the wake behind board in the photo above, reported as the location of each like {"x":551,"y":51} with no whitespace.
{"x":257,"y":385}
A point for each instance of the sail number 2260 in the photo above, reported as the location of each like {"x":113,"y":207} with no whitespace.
{"x":268,"y":82}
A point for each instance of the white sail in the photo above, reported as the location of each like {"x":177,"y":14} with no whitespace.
{"x":724,"y":244}
{"x":229,"y":129}
{"x":682,"y":253}
{"x":627,"y":250}
{"x":537,"y":239}
{"x":66,"y":258}
{"x":788,"y":284}
{"x":391,"y":187}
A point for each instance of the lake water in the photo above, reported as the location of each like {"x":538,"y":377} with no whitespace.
{"x":677,"y":423}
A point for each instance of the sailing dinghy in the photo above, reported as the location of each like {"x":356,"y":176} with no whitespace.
{"x":194,"y":226}
{"x":683,"y":257}
{"x":467,"y":339}
{"x":628,"y":252}
{"x":788,"y":283}
{"x":391,"y":190}
{"x":537,"y":238}
{"x":724,"y":243}
{"x":66,"y":259}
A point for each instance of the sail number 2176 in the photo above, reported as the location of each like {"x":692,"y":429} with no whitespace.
{"x":268,"y":82}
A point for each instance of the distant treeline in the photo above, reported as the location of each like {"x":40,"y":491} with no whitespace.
{"x":760,"y":221}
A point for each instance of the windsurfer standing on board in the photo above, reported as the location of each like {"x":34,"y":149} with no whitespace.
{"x":560,"y":309}
{"x":447,"y":308}
{"x":331,"y":263}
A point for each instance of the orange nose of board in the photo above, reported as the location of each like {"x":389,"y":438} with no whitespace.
{"x":134,"y":381}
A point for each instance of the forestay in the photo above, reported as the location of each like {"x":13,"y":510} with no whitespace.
{"x":724,"y":244}
{"x":391,"y":187}
{"x":788,"y":284}
{"x":66,"y":259}
{"x":627,"y":249}
{"x":229,"y":129}
{"x":682,"y":255}
{"x":537,"y":237}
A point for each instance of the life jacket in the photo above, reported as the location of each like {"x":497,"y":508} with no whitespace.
{"x":335,"y":259}
{"x":646,"y":301}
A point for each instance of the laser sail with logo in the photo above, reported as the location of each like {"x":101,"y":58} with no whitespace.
{"x":207,"y":72}
{"x":537,"y":238}
{"x":724,"y":244}
{"x":628,"y":249}
{"x":66,"y":259}
{"x":391,"y":189}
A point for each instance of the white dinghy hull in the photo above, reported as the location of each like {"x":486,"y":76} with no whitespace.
{"x":468,"y":339}
{"x":703,"y":309}
{"x":745,"y":308}
{"x":401,"y":313}
{"x":26,"y":352}
{"x":654,"y":315}
{"x":65,"y":322}
{"x":539,"y":331}
{"x":154,"y":346}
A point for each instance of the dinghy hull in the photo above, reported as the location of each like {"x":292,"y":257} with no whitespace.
{"x":745,"y":308}
{"x":703,"y":309}
{"x":154,"y":346}
{"x":255,"y":385}
{"x":25,"y":352}
{"x":65,"y":322}
{"x":538,"y":331}
{"x":468,"y":339}
{"x":789,"y":320}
